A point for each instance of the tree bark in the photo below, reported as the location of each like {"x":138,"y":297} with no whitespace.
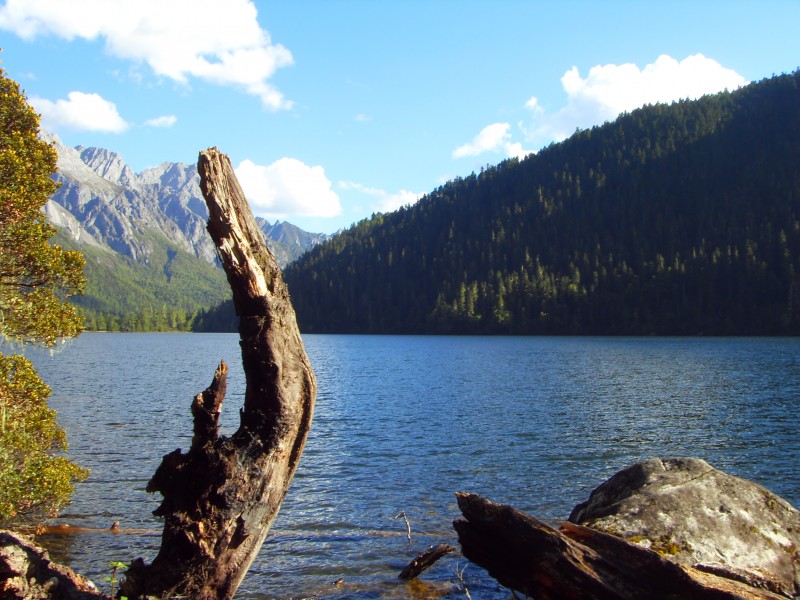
{"x":578,"y":563}
{"x":222,"y":496}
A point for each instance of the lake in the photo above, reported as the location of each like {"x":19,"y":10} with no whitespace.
{"x":403,"y":422}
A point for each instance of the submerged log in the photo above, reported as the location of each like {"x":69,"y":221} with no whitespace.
{"x":425,"y":561}
{"x":577,"y":562}
{"x":222,"y":496}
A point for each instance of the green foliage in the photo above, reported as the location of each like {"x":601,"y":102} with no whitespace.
{"x":221,"y":318}
{"x":674,"y":219}
{"x":35,"y":278}
{"x":35,"y":281}
{"x":115,"y":567}
{"x":166,"y":294}
{"x":35,"y":481}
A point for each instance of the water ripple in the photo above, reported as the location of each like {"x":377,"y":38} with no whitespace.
{"x":404,"y":422}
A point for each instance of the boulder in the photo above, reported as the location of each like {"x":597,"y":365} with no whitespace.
{"x":695,"y":515}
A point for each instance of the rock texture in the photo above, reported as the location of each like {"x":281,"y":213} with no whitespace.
{"x":694,"y":514}
{"x":26,"y":573}
{"x":579,"y":563}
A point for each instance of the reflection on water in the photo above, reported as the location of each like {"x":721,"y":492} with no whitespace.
{"x":404,"y":422}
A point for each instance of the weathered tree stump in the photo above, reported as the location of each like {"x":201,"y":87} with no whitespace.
{"x":222,"y":496}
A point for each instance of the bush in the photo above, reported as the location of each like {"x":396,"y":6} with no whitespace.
{"x":36,"y":279}
{"x":35,"y":482}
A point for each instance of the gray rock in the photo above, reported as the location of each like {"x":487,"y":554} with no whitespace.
{"x":693,"y":514}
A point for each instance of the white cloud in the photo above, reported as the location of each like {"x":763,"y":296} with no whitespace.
{"x":492,"y":138}
{"x":288,"y":187}
{"x":609,"y":90}
{"x":162,"y":121}
{"x":82,"y":112}
{"x":219,"y":42}
{"x":386,"y":202}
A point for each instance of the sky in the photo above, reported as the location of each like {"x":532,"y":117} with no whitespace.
{"x":332,"y":110}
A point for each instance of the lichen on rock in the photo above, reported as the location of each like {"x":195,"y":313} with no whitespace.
{"x":696,"y":515}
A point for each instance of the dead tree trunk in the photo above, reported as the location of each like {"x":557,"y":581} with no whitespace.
{"x":222,"y":496}
{"x":579,"y":563}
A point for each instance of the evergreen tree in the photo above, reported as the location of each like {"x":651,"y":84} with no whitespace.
{"x":679,"y":219}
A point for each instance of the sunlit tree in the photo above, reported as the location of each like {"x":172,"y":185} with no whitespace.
{"x":36,"y":278}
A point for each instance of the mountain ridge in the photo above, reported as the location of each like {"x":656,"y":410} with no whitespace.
{"x":680,"y":219}
{"x":135,"y":226}
{"x":103,"y":193}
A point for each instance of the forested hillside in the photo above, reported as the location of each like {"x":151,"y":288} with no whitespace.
{"x":673,"y":219}
{"x":164,"y":295}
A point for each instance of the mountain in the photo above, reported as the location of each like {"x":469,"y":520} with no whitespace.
{"x":149,"y":257}
{"x":288,"y":242}
{"x":673,"y":219}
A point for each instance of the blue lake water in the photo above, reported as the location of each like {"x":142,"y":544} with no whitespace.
{"x":403,"y":422}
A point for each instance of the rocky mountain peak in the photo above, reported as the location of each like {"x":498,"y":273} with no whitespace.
{"x":108,"y":165}
{"x":170,"y":175}
{"x":71,"y":166}
{"x":102,"y":201}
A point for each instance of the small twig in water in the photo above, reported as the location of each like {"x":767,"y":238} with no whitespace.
{"x":402,"y":513}
{"x":459,"y":573}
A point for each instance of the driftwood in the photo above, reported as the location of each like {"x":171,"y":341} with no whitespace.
{"x":577,"y":562}
{"x":424,"y":561}
{"x":222,"y":496}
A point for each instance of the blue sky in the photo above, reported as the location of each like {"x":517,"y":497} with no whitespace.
{"x":333,"y":110}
